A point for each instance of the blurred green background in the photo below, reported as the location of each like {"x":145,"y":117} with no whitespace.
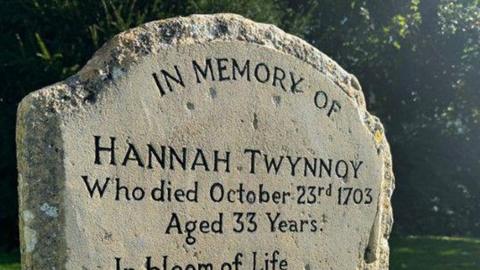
{"x":417,"y":60}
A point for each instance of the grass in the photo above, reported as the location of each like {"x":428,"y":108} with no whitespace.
{"x":9,"y":261}
{"x":433,"y":252}
{"x":412,"y":253}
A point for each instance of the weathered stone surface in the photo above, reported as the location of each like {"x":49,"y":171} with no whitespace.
{"x":268,"y":95}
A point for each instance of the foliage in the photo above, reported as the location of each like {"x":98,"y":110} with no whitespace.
{"x":418,"y":61}
{"x":419,"y":64}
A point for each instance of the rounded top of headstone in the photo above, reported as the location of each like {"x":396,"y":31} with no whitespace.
{"x":128,"y":48}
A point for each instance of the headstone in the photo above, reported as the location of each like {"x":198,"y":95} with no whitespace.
{"x":205,"y":142}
